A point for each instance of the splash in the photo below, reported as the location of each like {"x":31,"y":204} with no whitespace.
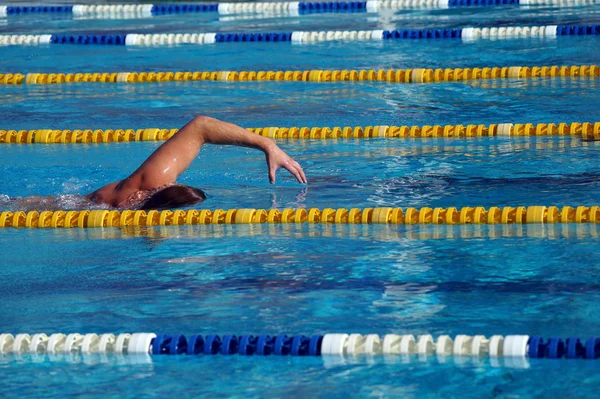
{"x":48,"y":203}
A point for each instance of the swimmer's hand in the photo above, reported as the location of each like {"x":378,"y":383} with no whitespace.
{"x":276,"y":159}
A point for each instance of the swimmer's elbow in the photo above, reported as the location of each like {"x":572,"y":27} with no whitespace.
{"x":201,"y":122}
{"x":204,"y":128}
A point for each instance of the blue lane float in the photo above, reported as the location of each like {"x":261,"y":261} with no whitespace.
{"x":118,"y":40}
{"x":12,"y":10}
{"x":496,"y":346}
{"x":245,"y":345}
{"x":299,"y":37}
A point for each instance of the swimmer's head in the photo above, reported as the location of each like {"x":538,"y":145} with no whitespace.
{"x":176,"y":196}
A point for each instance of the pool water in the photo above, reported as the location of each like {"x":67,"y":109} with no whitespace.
{"x":308,"y":279}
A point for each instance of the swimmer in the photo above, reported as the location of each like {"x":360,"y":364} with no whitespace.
{"x":153,"y":184}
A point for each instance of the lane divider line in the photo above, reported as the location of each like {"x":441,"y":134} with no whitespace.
{"x":336,"y":344}
{"x":417,"y":75}
{"x":306,"y":37}
{"x":292,"y":8}
{"x":585,"y":130}
{"x":408,"y":216}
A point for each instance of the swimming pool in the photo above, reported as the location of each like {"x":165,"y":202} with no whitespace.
{"x":534,"y":279}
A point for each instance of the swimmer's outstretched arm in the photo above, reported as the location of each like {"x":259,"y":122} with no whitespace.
{"x":173,"y":157}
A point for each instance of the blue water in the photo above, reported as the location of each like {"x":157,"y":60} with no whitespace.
{"x":536,"y":280}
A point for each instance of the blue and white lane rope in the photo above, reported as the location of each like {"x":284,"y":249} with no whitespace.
{"x":496,"y":346}
{"x":291,"y":7}
{"x":299,"y":37}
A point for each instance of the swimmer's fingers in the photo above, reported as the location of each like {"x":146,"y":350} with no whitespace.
{"x":272,"y":171}
{"x":273,"y":166}
{"x":302,"y":178}
{"x":278,"y":159}
{"x":297,"y":171}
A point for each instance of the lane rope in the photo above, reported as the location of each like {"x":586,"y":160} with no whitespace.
{"x":305,"y":37}
{"x":292,"y":8}
{"x":407,"y":216}
{"x":585,"y":130}
{"x":417,"y":75}
{"x":496,"y":346}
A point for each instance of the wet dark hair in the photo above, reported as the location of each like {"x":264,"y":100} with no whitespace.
{"x":174,"y":197}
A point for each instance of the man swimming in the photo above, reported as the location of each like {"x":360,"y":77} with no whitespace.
{"x":153,"y":184}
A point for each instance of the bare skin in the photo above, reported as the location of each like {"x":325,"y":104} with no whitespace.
{"x":172,"y":158}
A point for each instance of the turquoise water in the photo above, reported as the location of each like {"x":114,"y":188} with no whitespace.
{"x":536,"y":280}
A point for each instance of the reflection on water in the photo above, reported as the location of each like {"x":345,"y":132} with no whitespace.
{"x":75,"y":358}
{"x":333,"y":361}
{"x":381,"y":233}
{"x":560,"y":82}
{"x":299,"y":203}
{"x":328,"y":361}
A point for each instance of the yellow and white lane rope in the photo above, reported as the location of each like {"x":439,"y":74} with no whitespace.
{"x":417,"y":75}
{"x":406,"y":216}
{"x":585,"y":130}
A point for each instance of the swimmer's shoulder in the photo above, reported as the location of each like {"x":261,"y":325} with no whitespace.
{"x":109,"y":195}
